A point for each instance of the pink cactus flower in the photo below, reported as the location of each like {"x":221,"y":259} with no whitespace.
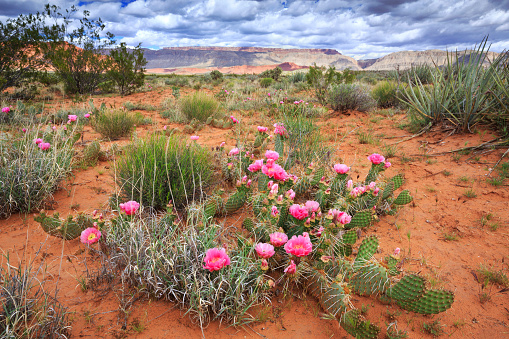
{"x":215,"y":259}
{"x":165,"y":127}
{"x":229,"y":165}
{"x":274,"y":212}
{"x":38,"y":141}
{"x":72,"y":117}
{"x":6,"y":110}
{"x":312,"y":206}
{"x":54,"y":128}
{"x":90,"y":236}
{"x":298,"y":212}
{"x":234,"y":151}
{"x":272,"y":155}
{"x":262,"y":129}
{"x":87,"y":115}
{"x":387,"y":165}
{"x":344,"y":218}
{"x":44,"y":146}
{"x":130,"y":207}
{"x":278,"y":239}
{"x":396,"y":251}
{"x":194,"y":137}
{"x":280,"y":129}
{"x":349,"y":184}
{"x":222,"y":144}
{"x":264,"y":265}
{"x":376,"y":158}
{"x":256,"y":166}
{"x":275,"y":171}
{"x":341,"y":168}
{"x":234,"y":120}
{"x":299,"y":246}
{"x":290,"y":194}
{"x":372,"y":185}
{"x":24,"y":130}
{"x":264,"y":250}
{"x":292,"y":268}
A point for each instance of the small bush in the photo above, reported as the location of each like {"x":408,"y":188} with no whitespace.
{"x":216,"y":75}
{"x":274,"y":73}
{"x":266,"y":82}
{"x":386,"y":94}
{"x":199,"y":106}
{"x":28,"y":175}
{"x":297,"y":77}
{"x":157,"y":170}
{"x":114,"y":124}
{"x":343,"y":97}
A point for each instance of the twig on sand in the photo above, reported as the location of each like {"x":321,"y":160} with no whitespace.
{"x":490,"y":143}
{"x":493,"y":168}
{"x":421,"y":132}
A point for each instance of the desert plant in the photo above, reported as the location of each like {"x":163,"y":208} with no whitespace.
{"x":216,"y":75}
{"x":274,"y":73}
{"x":114,"y":124}
{"x":385,"y":93}
{"x":126,"y":68}
{"x":29,"y":174}
{"x":156,"y":170}
{"x":266,"y":82}
{"x":199,"y":106}
{"x":343,"y":97}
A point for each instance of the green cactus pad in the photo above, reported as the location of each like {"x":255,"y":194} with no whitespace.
{"x":279,"y":145}
{"x":350,"y":237}
{"x":315,"y":283}
{"x":217,"y":123}
{"x":67,"y":229}
{"x":343,"y":250}
{"x":209,"y":120}
{"x":210,"y":208}
{"x":409,"y":288}
{"x":373,"y":173}
{"x":248,"y":224}
{"x":366,"y":250}
{"x":360,"y":219}
{"x":403,"y":198}
{"x":352,"y":322}
{"x":258,"y":141}
{"x":227,"y":124}
{"x":235,"y":201}
{"x":333,"y":299}
{"x":431,"y":302}
{"x":392,"y":262}
{"x":388,"y":190}
{"x":317,"y":176}
{"x":188,"y":129}
{"x":302,"y":185}
{"x":370,"y":279}
{"x":398,"y":180}
{"x":283,"y":217}
{"x":263,"y":180}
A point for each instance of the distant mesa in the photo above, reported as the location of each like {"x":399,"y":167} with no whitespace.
{"x":242,"y":60}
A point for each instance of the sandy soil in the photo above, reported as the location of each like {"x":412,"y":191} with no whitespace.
{"x":421,"y":229}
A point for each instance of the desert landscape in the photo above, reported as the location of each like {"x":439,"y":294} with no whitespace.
{"x":250,"y":192}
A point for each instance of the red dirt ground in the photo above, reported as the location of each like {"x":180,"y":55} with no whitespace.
{"x":420,"y":229}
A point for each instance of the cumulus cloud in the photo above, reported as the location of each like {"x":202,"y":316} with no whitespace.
{"x":358,"y":28}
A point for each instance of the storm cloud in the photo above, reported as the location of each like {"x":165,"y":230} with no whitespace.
{"x":361,"y":29}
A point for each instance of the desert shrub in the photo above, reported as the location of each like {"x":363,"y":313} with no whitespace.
{"x":385,"y":94}
{"x":125,"y":68}
{"x":28,"y":175}
{"x":156,"y":170}
{"x":266,"y":82}
{"x":419,"y":74}
{"x":343,"y":97}
{"x":297,"y":77}
{"x":62,"y":115}
{"x":199,"y":106}
{"x":91,"y":154}
{"x":177,"y":81}
{"x":172,"y":256}
{"x":28,"y":311}
{"x":216,"y":75}
{"x":114,"y":124}
{"x":274,"y":73}
{"x":23,"y":115}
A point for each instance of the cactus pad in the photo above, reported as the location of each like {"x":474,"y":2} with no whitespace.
{"x":366,"y":250}
{"x":279,"y":145}
{"x":410,"y":287}
{"x":317,"y":176}
{"x":403,"y":198}
{"x":360,"y":219}
{"x":67,"y":229}
{"x":235,"y":201}
{"x":392,"y":263}
{"x":350,"y":237}
{"x":302,"y":185}
{"x":398,"y":180}
{"x":343,"y":250}
{"x":334,"y":299}
{"x":352,"y":322}
{"x":370,"y":279}
{"x":263,"y":181}
{"x":388,"y":190}
{"x":431,"y":302}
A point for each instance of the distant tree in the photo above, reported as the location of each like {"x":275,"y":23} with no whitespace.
{"x":126,"y":68}
{"x":20,"y":41}
{"x":75,"y":55}
{"x":216,"y":75}
{"x":274,"y":73}
{"x":321,"y":78}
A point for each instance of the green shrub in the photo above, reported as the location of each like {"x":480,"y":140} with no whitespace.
{"x":216,"y":75}
{"x":386,"y":94}
{"x":114,"y":124}
{"x":266,"y":82}
{"x":343,"y":97}
{"x":274,"y":73}
{"x":28,"y":175}
{"x":297,"y":77}
{"x":177,"y":81}
{"x":157,"y":170}
{"x":125,"y":68}
{"x":199,"y":106}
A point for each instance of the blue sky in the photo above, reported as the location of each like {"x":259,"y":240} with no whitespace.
{"x":361,"y":29}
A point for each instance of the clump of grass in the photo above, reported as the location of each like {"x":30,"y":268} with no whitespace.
{"x":28,"y":175}
{"x":389,"y":151}
{"x":385,"y":94}
{"x":493,"y":276}
{"x":343,"y":97}
{"x":470,"y":193}
{"x":156,"y":170}
{"x":266,"y":82}
{"x":27,"y":310}
{"x":366,"y":138}
{"x":168,"y":260}
{"x":198,"y":106}
{"x":91,"y":154}
{"x":434,"y":328}
{"x":450,"y":236}
{"x":114,"y":124}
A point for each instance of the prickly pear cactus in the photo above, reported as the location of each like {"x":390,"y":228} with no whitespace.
{"x":398,"y":180}
{"x":67,"y":229}
{"x":360,"y":219}
{"x":235,"y":201}
{"x":353,"y":323}
{"x":366,"y":250}
{"x":371,"y":278}
{"x":431,"y":302}
{"x":403,"y":198}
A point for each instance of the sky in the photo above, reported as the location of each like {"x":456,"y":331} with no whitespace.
{"x":360,"y":29}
